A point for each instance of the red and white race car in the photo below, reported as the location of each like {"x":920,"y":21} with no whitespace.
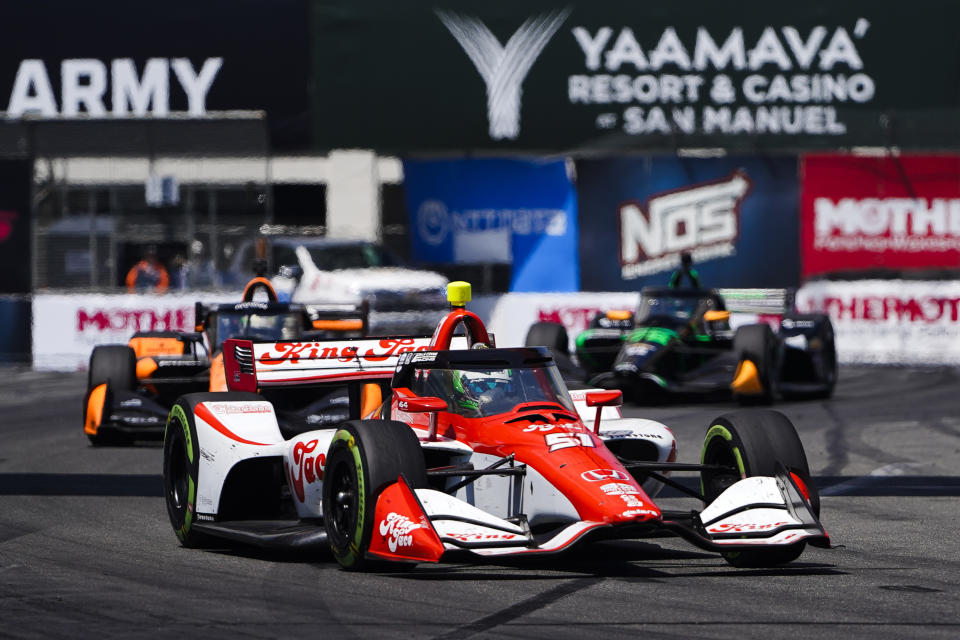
{"x":457,"y":445}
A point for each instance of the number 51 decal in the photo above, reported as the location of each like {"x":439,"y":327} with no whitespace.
{"x":563,"y":440}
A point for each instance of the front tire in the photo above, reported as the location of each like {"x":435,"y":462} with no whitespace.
{"x":116,"y":366}
{"x":365,"y":457}
{"x":824,"y":357}
{"x":756,"y":342}
{"x":756,"y":443}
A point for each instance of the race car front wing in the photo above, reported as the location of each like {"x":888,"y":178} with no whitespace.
{"x":753,"y":513}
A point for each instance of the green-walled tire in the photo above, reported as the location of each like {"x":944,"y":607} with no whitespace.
{"x":755,"y":442}
{"x":365,"y":457}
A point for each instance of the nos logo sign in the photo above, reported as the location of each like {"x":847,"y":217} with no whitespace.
{"x":702,"y":219}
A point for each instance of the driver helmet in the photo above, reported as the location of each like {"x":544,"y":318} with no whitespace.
{"x":475,"y":388}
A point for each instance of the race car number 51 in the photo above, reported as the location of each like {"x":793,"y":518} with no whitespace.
{"x":558,"y":441}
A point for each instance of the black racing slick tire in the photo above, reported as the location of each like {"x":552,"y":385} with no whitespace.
{"x":828,"y":355}
{"x":755,"y":443}
{"x":554,"y":336}
{"x":365,"y":457}
{"x":181,"y":463}
{"x":756,"y":342}
{"x":822,"y":352}
{"x":548,"y":334}
{"x":113,"y":363}
{"x":116,"y":365}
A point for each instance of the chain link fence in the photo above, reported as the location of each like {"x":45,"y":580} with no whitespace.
{"x":88,"y":234}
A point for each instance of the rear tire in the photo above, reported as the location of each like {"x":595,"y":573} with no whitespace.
{"x":365,"y":457}
{"x":829,"y":362}
{"x":756,"y":342}
{"x":825,"y":357}
{"x":548,"y":334}
{"x":754,"y":442}
{"x":116,"y":365}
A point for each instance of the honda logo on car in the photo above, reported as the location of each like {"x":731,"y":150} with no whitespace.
{"x":702,"y":219}
{"x":599,"y":475}
{"x":398,"y":530}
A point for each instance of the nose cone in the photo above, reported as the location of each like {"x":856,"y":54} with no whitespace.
{"x":619,"y":501}
{"x":596,"y":483}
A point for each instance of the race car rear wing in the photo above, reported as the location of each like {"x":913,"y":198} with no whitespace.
{"x":249,"y":366}
{"x":331,"y":319}
{"x":344,"y":318}
{"x":761,"y":301}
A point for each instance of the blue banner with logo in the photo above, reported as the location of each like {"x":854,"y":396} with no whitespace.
{"x":493,"y":210}
{"x":736,"y":216}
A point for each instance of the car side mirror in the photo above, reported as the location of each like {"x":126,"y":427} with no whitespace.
{"x":424,"y":404}
{"x":612,"y":398}
{"x":601,"y":399}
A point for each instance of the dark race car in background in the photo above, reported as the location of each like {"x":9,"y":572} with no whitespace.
{"x":686,"y":341}
{"x":131,"y":387}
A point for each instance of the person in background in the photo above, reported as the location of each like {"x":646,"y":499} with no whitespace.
{"x":686,"y":270}
{"x":148,"y":274}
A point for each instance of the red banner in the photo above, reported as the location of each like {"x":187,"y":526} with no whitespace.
{"x":869,"y":213}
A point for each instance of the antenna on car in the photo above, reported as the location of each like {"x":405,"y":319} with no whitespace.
{"x":458,"y":295}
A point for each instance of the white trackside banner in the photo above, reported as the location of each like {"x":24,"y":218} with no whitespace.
{"x":890,"y":321}
{"x":66,"y":327}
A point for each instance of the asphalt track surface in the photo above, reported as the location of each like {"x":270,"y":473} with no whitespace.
{"x":86,"y":548}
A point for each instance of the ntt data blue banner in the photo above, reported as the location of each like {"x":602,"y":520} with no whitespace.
{"x":736,"y":216}
{"x":490,"y":210}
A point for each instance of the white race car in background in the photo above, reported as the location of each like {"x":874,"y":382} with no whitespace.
{"x":402,"y":300}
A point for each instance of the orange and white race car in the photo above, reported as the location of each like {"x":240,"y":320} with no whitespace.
{"x":131,"y":387}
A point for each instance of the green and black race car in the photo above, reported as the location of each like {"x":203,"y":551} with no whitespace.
{"x":680,"y":340}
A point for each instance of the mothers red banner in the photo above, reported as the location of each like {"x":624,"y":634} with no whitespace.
{"x":890,"y":213}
